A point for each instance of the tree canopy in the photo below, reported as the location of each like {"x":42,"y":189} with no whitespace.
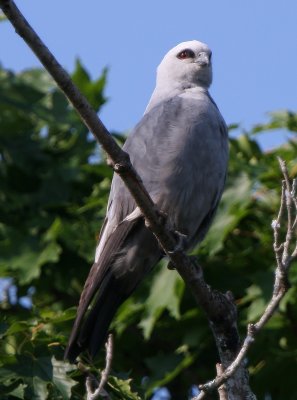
{"x":54,"y":184}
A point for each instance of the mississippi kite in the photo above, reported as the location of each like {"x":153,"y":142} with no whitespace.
{"x":180,"y":150}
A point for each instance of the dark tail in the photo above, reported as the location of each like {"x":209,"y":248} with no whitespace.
{"x":121,"y":267}
{"x":92,"y":333}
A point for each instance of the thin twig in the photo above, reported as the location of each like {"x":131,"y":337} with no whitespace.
{"x":289,"y":208}
{"x":294,"y":226}
{"x":294,"y":193}
{"x":276,"y":225}
{"x":93,"y":394}
{"x":224,"y":376}
{"x":106,"y":372}
{"x":223,"y":395}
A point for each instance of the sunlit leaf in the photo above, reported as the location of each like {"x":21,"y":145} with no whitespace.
{"x":122,"y":389}
{"x":62,"y":382}
{"x":29,"y":258}
{"x":233,"y":207}
{"x":166,"y":293}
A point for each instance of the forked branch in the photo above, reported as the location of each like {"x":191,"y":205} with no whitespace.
{"x":285,"y":250}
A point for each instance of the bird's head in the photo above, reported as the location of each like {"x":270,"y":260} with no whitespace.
{"x":188,"y":64}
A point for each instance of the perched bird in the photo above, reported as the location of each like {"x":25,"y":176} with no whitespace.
{"x":180,"y":150}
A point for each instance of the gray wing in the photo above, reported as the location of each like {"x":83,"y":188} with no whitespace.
{"x":180,"y":151}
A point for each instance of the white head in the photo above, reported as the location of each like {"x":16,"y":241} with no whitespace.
{"x":186,"y":65}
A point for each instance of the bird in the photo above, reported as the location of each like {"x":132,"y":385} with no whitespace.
{"x":180,"y":150}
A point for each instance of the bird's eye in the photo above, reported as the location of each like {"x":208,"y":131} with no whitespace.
{"x":187,"y":53}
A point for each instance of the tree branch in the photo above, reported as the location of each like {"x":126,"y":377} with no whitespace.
{"x":99,"y":390}
{"x":219,"y":308}
{"x":284,"y":257}
{"x":223,"y":395}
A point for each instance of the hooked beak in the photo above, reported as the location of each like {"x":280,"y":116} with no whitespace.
{"x":203,"y":59}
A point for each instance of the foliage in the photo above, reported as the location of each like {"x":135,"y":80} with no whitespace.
{"x":53,"y":191}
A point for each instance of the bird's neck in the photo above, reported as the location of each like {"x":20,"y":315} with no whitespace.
{"x":163,"y":93}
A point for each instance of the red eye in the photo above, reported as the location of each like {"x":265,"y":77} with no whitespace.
{"x":187,"y":53}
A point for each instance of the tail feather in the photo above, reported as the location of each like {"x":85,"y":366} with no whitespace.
{"x":94,"y":329}
{"x":123,"y":263}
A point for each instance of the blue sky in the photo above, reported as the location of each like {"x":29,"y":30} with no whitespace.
{"x":254,"y":47}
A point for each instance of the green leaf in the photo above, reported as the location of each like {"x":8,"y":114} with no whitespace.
{"x":39,"y":374}
{"x":28,"y":259}
{"x":62,"y":382}
{"x":165,"y":367}
{"x":127,"y":315}
{"x":2,"y":17}
{"x":38,"y":79}
{"x":278,"y":120}
{"x":122,"y":389}
{"x":58,"y":317}
{"x":92,"y":90}
{"x":37,"y":388}
{"x":233,"y":207}
{"x":11,"y":387}
{"x":80,"y":76}
{"x":16,"y":327}
{"x":248,"y":147}
{"x":18,"y":392}
{"x":256,"y":309}
{"x":166,"y":293}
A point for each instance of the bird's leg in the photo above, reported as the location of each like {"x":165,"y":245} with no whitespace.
{"x":181,"y":238}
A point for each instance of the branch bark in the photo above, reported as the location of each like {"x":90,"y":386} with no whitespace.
{"x":219,"y":308}
{"x":99,"y":390}
{"x":223,"y":395}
